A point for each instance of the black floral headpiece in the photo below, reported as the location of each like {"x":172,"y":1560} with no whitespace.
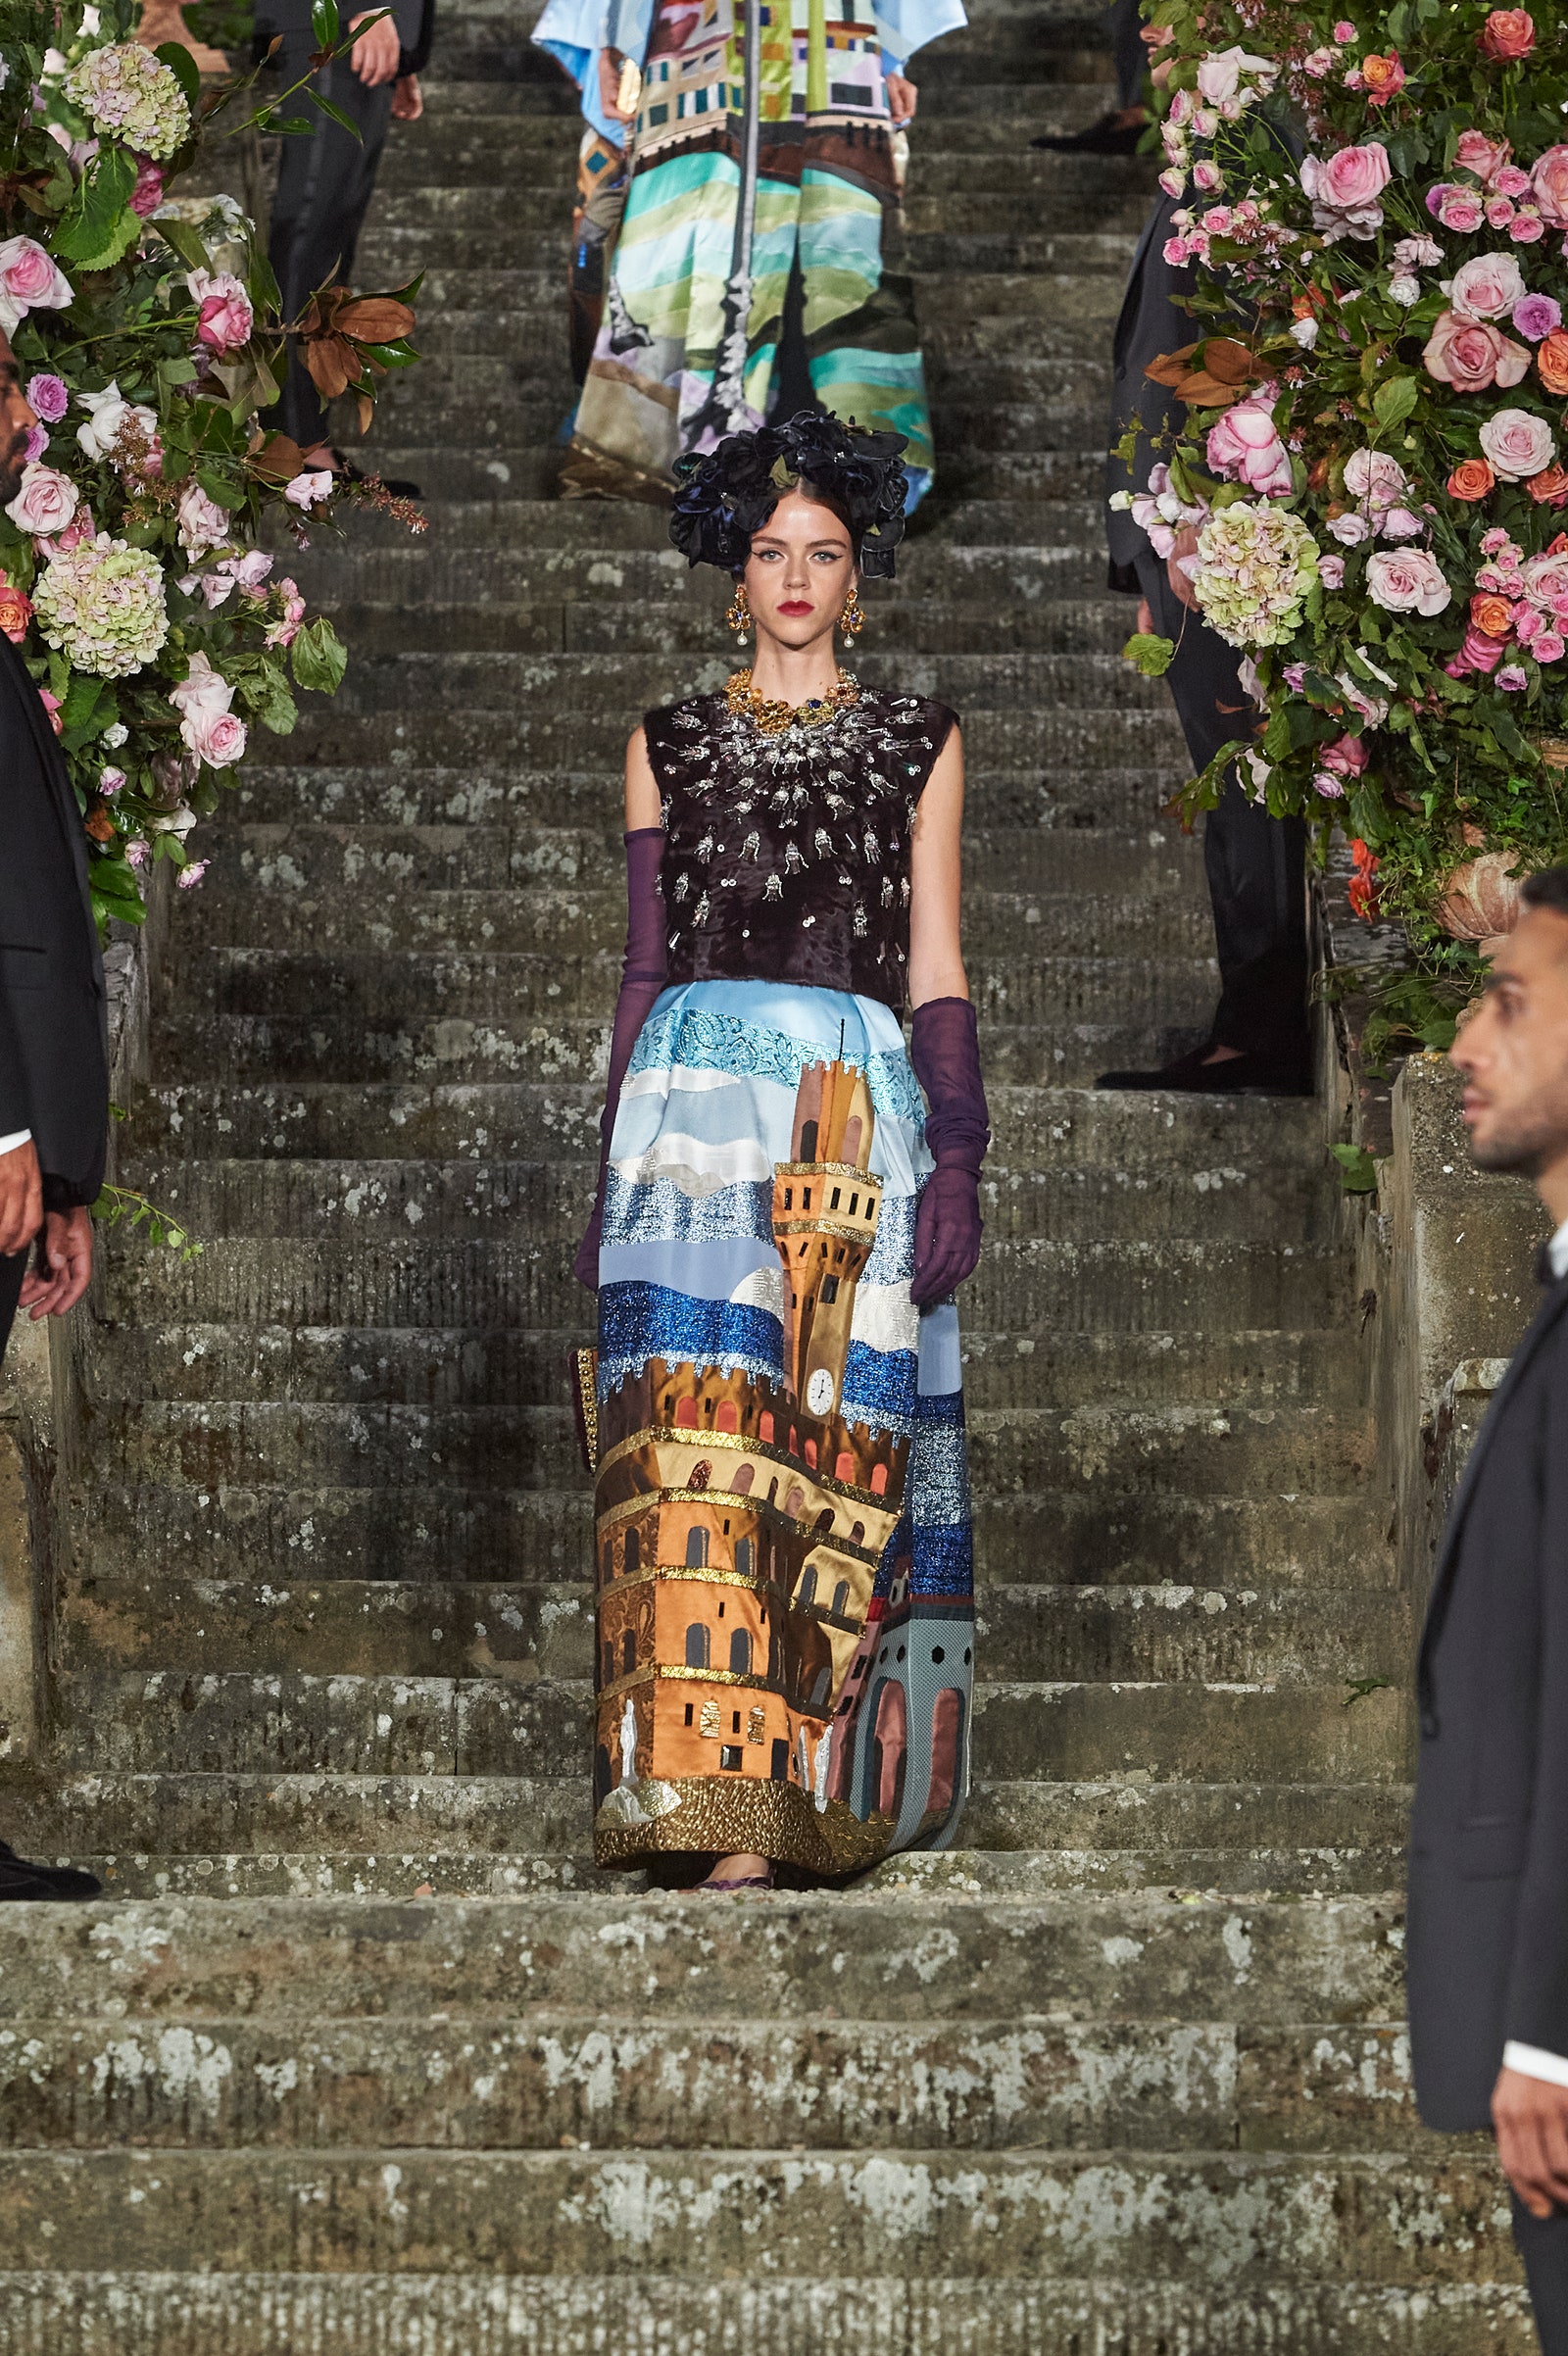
{"x":728,"y":494}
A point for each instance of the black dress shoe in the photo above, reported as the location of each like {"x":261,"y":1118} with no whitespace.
{"x":20,"y":1878}
{"x":1287,"y":1073}
{"x":1107,"y":137}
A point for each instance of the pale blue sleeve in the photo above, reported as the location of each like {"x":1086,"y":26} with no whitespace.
{"x":573,"y":32}
{"x":905,"y":26}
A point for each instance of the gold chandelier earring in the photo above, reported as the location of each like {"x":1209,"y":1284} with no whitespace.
{"x":852,"y":621}
{"x":739,"y":616}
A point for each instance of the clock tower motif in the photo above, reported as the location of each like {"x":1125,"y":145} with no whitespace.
{"x":825,"y":1205}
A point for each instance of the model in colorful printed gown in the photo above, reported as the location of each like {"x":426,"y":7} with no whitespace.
{"x":759,"y":146}
{"x":784,"y":1576}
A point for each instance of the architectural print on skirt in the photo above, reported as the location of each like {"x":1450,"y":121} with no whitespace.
{"x":784,"y":1555}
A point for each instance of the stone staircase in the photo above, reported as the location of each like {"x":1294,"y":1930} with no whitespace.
{"x":1125,"y":2076}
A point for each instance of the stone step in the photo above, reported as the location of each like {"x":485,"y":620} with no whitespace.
{"x":1068,"y":1128}
{"x":487,"y":2083}
{"x":164,"y":1725}
{"x":1189,"y":1449}
{"x":274,"y":1816}
{"x":1196,"y":2220}
{"x":1101,"y":1534}
{"x":468,"y":1200}
{"x":454,"y":1367}
{"x":930,"y":1955}
{"x":197,"y":1631}
{"x":997,"y":2314}
{"x":1137,"y":1288}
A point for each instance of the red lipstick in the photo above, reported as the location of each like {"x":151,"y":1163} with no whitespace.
{"x":796,"y":605}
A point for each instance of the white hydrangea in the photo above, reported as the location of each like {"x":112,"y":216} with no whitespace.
{"x":102,"y":605}
{"x":128,"y":94}
{"x":1255,"y":566}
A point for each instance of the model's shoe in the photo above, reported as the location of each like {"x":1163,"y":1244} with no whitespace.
{"x":1107,"y":137}
{"x":1287,"y":1073}
{"x":20,"y":1878}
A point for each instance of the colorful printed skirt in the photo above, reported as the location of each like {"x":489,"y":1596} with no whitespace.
{"x":784,"y":1571}
{"x":694,"y":315}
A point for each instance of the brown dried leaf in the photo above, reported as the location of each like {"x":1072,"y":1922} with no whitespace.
{"x":375,"y":320}
{"x":279,"y":458}
{"x":1219,"y":378}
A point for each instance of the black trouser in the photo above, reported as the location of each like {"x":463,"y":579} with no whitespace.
{"x":1543,"y":2244}
{"x":1127,"y":48}
{"x":1256,"y":865}
{"x":13,"y":1268}
{"x":324,"y":184}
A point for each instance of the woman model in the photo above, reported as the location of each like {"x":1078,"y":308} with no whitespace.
{"x":763,"y":151}
{"x":784,"y":1580}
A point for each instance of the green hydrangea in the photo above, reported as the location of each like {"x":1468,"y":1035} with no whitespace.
{"x":128,"y":94}
{"x":1257,"y":562}
{"x":101,"y":604}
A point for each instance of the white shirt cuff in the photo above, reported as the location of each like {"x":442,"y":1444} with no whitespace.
{"x":1532,"y":2062}
{"x":18,"y":1136}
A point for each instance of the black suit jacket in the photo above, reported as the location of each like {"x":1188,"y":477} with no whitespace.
{"x":1149,"y":325}
{"x":54,"y":1053}
{"x":1486,"y":1941}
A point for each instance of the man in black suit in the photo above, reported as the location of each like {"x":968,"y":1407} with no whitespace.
{"x":1487,"y":1934}
{"x":1255,"y":865}
{"x":54,"y":1068}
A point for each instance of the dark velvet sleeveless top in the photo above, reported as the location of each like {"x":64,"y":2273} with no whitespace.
{"x":787,"y":857}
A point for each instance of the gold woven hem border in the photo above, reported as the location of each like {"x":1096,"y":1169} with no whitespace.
{"x":730,"y":1814}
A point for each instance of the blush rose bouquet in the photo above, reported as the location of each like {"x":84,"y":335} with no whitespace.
{"x":158,"y":629}
{"x":1375,"y":231}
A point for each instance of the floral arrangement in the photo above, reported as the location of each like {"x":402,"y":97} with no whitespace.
{"x":1370,"y":490}
{"x":147,"y":333}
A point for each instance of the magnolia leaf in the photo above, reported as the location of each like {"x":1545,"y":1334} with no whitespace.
{"x":333,"y":362}
{"x":374,"y":319}
{"x":325,"y":22}
{"x":1358,"y":1172}
{"x":187,"y":243}
{"x":182,"y":66}
{"x":1212,"y":381}
{"x":1150,"y":654}
{"x":345,"y":123}
{"x":1392,"y":402}
{"x":320,"y":657}
{"x":278,"y":460}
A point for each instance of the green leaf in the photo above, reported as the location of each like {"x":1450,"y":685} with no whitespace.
{"x":98,"y":225}
{"x":1393,"y":401}
{"x":220,"y":490}
{"x":182,"y":66}
{"x":186,"y":242}
{"x":1358,"y":1172}
{"x":1150,"y":654}
{"x":325,"y":22}
{"x":320,"y":658}
{"x":345,"y":123}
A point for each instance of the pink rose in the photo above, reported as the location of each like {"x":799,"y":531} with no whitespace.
{"x":191,"y":874}
{"x":1507,"y":35}
{"x":1486,"y":287}
{"x":1344,"y":189}
{"x":1478,"y":653}
{"x":1349,"y":529}
{"x":1485,"y":157}
{"x":1245,"y":445}
{"x":1328,"y":785}
{"x":1517,"y":444}
{"x":307,"y":489}
{"x":1331,"y":571}
{"x":286,"y":628}
{"x":1319,"y":63}
{"x":1549,"y":179}
{"x":226,"y":320}
{"x":1535,"y":315}
{"x":1511,"y":680}
{"x":110,"y":780}
{"x":1499,"y":212}
{"x":1458,"y":208}
{"x":1374,"y":476}
{"x":1406,"y":580}
{"x":203,"y":523}
{"x":45,"y":503}
{"x":1173,"y":181}
{"x":1208,"y":177}
{"x":1344,"y":31}
{"x":1173,"y":251}
{"x":148,"y":193}
{"x":1526,"y":225}
{"x":1548,"y":646}
{"x":1400,"y":523}
{"x":1546,"y":578}
{"x":202,"y":689}
{"x":215,"y":737}
{"x":28,"y":281}
{"x":1472,"y":353}
{"x":1346,"y":758}
{"x":1511,"y":182}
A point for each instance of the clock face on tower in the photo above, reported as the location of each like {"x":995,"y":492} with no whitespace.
{"x":819,"y":1392}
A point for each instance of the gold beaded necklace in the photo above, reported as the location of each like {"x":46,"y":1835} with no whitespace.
{"x":771,"y":719}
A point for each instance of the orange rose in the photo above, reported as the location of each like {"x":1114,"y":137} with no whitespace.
{"x":16,"y":610}
{"x":1493,"y":615}
{"x":1552,"y":361}
{"x":1510,"y":34}
{"x":1472,"y":479}
{"x":1549,"y":488}
{"x":1383,"y":77}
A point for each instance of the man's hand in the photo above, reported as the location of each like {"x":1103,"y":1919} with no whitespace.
{"x":65,"y":1254}
{"x":903,"y":99}
{"x":610,"y":62}
{"x":408,"y":99}
{"x":374,"y":55}
{"x":1531,"y":2117}
{"x":1184,"y":545}
{"x":21,"y":1198}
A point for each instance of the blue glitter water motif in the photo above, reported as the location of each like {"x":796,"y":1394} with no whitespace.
{"x":878,"y":1388}
{"x":939,"y":1474}
{"x":662,"y":1212}
{"x":703,"y":1039}
{"x":639,"y":1321}
{"x":942,"y":1562}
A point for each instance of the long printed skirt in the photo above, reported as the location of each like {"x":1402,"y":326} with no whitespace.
{"x":784,"y":1560}
{"x":694,"y":319}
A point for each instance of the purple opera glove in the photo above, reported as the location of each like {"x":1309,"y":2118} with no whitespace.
{"x":944,"y":1051}
{"x":642,"y":978}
